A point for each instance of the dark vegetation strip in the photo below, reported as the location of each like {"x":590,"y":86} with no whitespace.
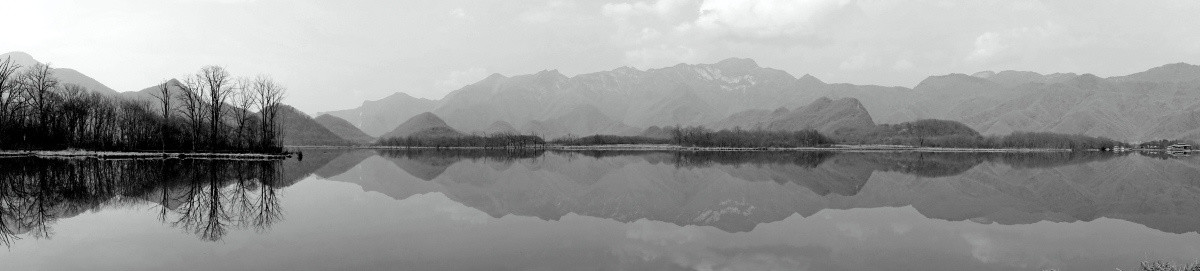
{"x":491,"y":142}
{"x":923,"y":133}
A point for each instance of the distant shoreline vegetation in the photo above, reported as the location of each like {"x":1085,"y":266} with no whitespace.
{"x":917,"y":134}
{"x":208,"y":112}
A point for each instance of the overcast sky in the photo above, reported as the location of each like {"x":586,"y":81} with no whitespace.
{"x":335,"y":54}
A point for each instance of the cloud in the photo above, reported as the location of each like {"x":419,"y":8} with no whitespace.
{"x":552,"y":11}
{"x":859,"y":62}
{"x":982,"y":248}
{"x":662,"y":9}
{"x":994,"y":45}
{"x":221,"y":1}
{"x":903,"y":64}
{"x":457,"y":79}
{"x":766,"y":19}
{"x":987,"y":45}
{"x":460,"y":14}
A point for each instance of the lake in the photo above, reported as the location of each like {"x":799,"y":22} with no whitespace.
{"x":596,"y":210}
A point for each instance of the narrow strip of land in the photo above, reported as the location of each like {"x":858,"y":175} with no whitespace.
{"x":669,"y":147}
{"x":81,"y":154}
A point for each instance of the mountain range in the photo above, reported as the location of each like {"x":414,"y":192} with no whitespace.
{"x":64,"y":75}
{"x":1159,"y":103}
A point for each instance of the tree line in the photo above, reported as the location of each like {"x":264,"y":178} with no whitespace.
{"x":207,"y":111}
{"x":925,"y":133}
{"x":497,"y":141}
{"x":1015,"y":140}
{"x":698,"y":136}
{"x":608,"y":140}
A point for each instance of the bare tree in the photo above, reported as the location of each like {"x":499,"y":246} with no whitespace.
{"x":216,"y":86}
{"x":39,"y":83}
{"x":243,"y":100}
{"x":164,"y":98}
{"x":8,"y":89}
{"x":73,"y":113}
{"x":269,"y":95}
{"x":193,"y":107}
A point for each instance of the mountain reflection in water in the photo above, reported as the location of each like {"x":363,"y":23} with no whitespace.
{"x":735,"y":191}
{"x":602,"y":210}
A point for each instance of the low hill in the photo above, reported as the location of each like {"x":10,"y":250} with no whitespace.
{"x":501,"y":127}
{"x":423,"y":125}
{"x":830,"y":117}
{"x":298,"y":129}
{"x":658,"y":132}
{"x":380,"y":116}
{"x":344,"y":129}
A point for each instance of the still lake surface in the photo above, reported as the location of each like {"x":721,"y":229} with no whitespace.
{"x":486,"y":210}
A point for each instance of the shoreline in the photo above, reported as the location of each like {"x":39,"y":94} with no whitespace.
{"x":116,"y":155}
{"x":666,"y":147}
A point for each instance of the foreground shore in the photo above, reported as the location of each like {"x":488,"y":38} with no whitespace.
{"x":82,"y":154}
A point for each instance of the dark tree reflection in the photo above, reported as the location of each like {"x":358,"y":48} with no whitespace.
{"x":205,"y":197}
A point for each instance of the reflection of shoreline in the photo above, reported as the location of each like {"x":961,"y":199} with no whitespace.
{"x":205,"y":197}
{"x":142,"y":155}
{"x":737,"y":191}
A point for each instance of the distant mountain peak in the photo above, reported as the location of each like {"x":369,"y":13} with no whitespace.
{"x":626,"y":69}
{"x":1174,"y":72}
{"x":551,"y":73}
{"x":427,"y":116}
{"x":1177,"y":65}
{"x":984,"y":74}
{"x":19,"y":57}
{"x":494,"y":77}
{"x":1088,"y":81}
{"x":64,"y":75}
{"x":424,"y":124}
{"x":954,"y":82}
{"x":343,"y":129}
{"x":738,"y":63}
{"x":501,"y":127}
{"x":808,"y":78}
{"x":851,"y":102}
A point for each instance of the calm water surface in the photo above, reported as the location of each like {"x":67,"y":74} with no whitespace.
{"x":480,"y":210}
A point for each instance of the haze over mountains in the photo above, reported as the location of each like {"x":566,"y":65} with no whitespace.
{"x":66,"y":76}
{"x":1160,"y":103}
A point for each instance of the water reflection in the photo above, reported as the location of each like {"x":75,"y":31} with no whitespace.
{"x":496,"y":210}
{"x":736,"y":191}
{"x":204,"y":197}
